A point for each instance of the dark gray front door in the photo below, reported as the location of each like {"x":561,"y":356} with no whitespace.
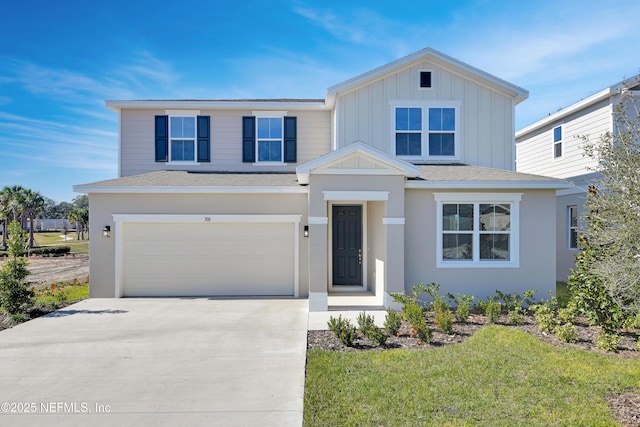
{"x":347,"y":245}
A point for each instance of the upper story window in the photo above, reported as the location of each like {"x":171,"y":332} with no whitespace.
{"x":423,"y":131}
{"x":477,"y":230}
{"x":182,"y":136}
{"x":182,"y":144}
{"x":270,"y":141}
{"x":557,"y":142}
{"x":269,"y":137}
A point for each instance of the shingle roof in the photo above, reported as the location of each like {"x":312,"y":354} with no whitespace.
{"x":460,"y":172}
{"x":205,"y":181}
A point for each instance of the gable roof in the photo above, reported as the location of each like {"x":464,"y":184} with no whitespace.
{"x":390,"y":163}
{"x":428,"y":53}
{"x":603,"y":94}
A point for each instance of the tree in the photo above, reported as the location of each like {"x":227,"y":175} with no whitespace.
{"x":614,"y":205}
{"x":15,"y":294}
{"x":81,"y":218}
{"x":32,"y":205}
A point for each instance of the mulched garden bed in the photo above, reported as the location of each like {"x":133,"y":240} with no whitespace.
{"x":626,"y":407}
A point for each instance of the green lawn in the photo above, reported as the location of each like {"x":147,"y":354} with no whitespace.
{"x":497,"y":377}
{"x":62,"y":295}
{"x":56,"y":238}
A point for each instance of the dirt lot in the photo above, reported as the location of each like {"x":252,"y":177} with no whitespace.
{"x":48,"y":270}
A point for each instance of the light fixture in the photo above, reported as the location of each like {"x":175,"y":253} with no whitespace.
{"x":306,"y":231}
{"x":106,"y":231}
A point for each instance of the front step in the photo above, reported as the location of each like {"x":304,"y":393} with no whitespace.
{"x":354,"y":301}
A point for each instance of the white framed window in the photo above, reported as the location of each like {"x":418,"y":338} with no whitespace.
{"x":557,"y":142}
{"x":425,"y":130}
{"x":182,"y":139}
{"x":269,"y":141}
{"x":478,"y":230}
{"x":572,"y":227}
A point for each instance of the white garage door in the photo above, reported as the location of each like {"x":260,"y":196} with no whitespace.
{"x":208,"y":259}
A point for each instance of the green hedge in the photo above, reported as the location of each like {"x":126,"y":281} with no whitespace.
{"x":45,"y":251}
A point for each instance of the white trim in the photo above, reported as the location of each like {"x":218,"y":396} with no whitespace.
{"x":477,"y":198}
{"x":393,"y":221}
{"x":554,"y":143}
{"x":315,"y":105}
{"x":205,"y":218}
{"x":425,"y":105}
{"x":318,"y":220}
{"x":122,"y":219}
{"x":356,"y":195}
{"x":404,"y":168}
{"x":365,"y":245}
{"x":423,"y":70}
{"x":493,"y":185}
{"x":187,"y":189}
{"x":182,"y":113}
{"x":270,"y":114}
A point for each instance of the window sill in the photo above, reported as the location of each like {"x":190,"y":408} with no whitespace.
{"x":475,"y":264}
{"x":184,"y":163}
{"x":435,"y":159}
{"x":270,"y":164}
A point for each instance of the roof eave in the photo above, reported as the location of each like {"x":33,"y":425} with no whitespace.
{"x":139,"y":189}
{"x":117,"y":105}
{"x":483,"y":185}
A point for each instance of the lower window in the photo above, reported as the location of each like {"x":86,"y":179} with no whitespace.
{"x":477,"y":233}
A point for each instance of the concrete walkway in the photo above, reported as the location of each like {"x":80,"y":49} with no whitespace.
{"x":157,"y":362}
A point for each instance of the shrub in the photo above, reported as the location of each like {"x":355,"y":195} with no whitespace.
{"x":423,"y":332}
{"x":51,"y":251}
{"x":516,"y":316}
{"x":377,"y":335}
{"x":544,"y":316}
{"x":412,"y":310}
{"x":392,"y":322}
{"x":607,"y":341}
{"x":589,"y":293}
{"x":444,"y":320}
{"x":365,"y":323}
{"x":492,"y":309}
{"x":15,"y":294}
{"x":566,"y":332}
{"x":343,"y":330}
{"x":463,"y":306}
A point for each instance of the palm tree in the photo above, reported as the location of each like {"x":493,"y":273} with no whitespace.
{"x":81,"y":219}
{"x":32,"y":205}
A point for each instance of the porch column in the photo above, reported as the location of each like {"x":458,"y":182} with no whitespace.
{"x":394,"y":273}
{"x":318,"y":276}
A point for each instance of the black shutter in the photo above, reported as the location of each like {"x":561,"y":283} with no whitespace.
{"x":249,"y":139}
{"x":290,"y":139}
{"x":204,"y":145}
{"x":162,"y":138}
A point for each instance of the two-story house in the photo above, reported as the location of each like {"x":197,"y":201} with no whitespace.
{"x":404,"y":174}
{"x":553,"y":146}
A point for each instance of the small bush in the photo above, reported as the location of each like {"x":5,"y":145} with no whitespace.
{"x":343,"y":330}
{"x":607,"y":341}
{"x":51,"y":251}
{"x":544,"y":316}
{"x":377,"y":335}
{"x":516,"y":316}
{"x":492,"y":309}
{"x":414,"y":313}
{"x":392,"y":322}
{"x":566,"y":332}
{"x":365,"y":323}
{"x":444,"y":320}
{"x":463,"y":306}
{"x":423,"y":332}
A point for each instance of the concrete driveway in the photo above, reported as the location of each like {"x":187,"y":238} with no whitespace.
{"x":157,"y":362}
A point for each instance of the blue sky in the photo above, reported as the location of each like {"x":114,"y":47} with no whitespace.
{"x":59,"y":61}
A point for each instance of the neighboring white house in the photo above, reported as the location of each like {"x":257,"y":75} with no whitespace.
{"x":398,"y":176}
{"x":553,"y":147}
